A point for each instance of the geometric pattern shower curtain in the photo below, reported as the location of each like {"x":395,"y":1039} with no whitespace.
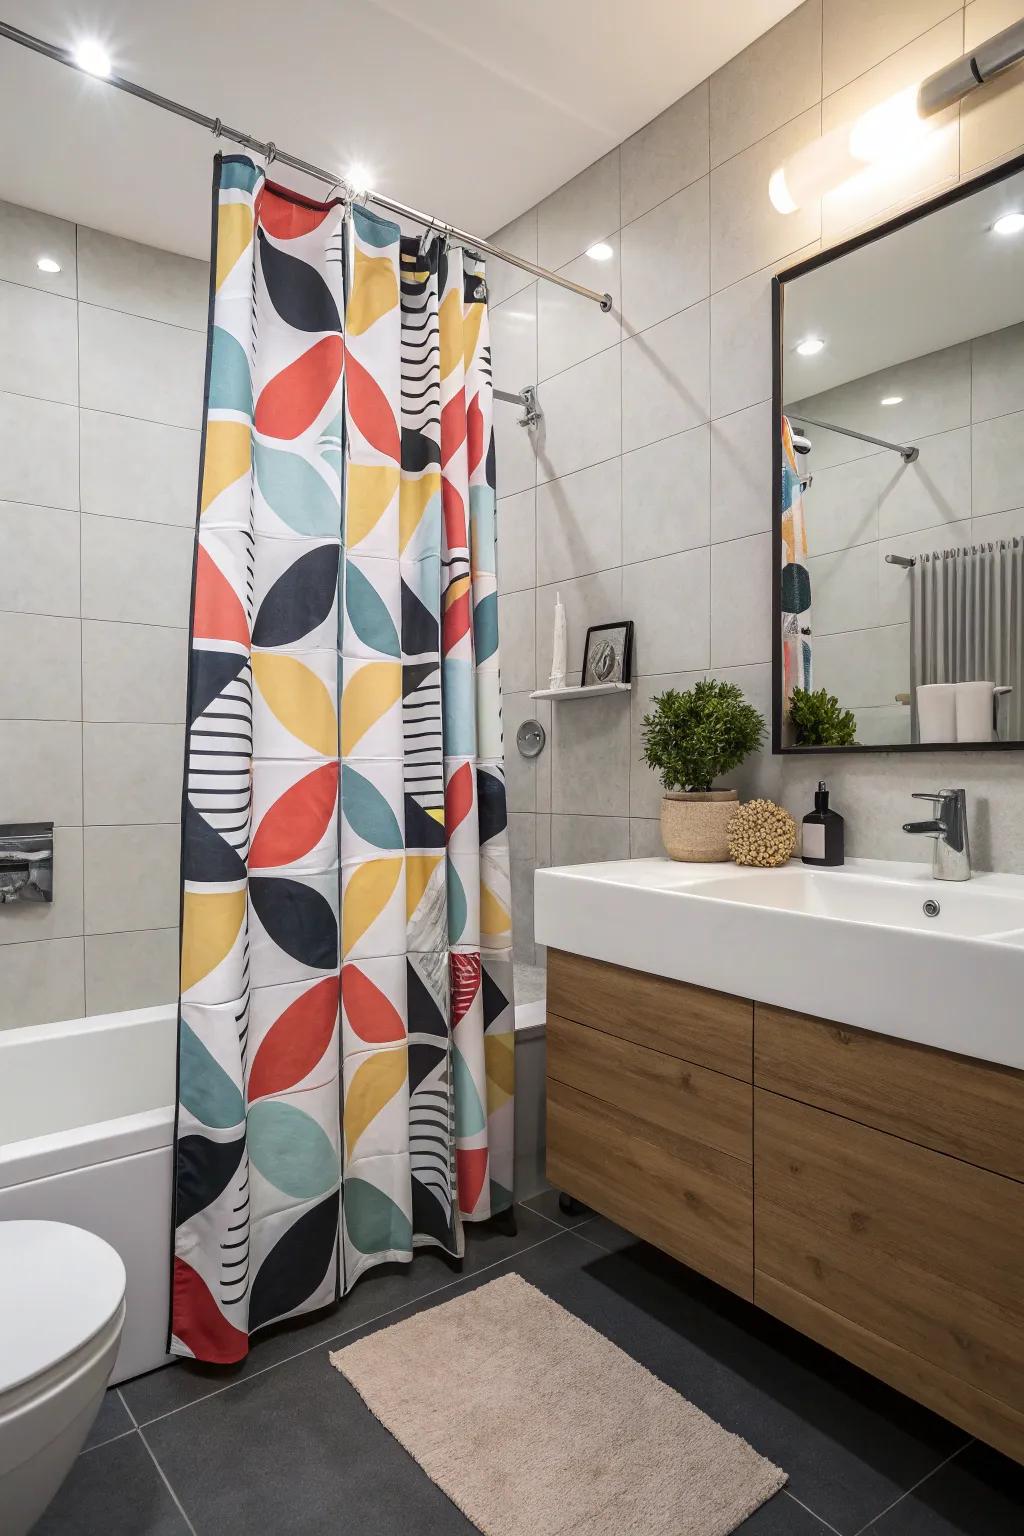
{"x":795,"y":579}
{"x":345,"y":1059}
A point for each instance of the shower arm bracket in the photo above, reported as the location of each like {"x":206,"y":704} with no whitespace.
{"x":907,"y":451}
{"x":526,"y":398}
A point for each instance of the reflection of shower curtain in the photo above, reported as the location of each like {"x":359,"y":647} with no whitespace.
{"x":967,"y":624}
{"x":345,"y":546}
{"x":796,"y":581}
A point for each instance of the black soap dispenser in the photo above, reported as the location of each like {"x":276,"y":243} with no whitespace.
{"x":824,"y":832}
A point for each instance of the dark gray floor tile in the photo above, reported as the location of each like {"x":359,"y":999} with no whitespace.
{"x":607,"y":1235}
{"x":978,"y":1493}
{"x":782,"y":1516}
{"x":111,"y":1421}
{"x":113,"y":1491}
{"x":382,"y":1290}
{"x":546,"y":1203}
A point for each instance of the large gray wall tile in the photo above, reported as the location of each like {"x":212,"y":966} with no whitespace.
{"x":516,"y":619}
{"x":669,"y":600}
{"x":571,"y":328}
{"x":42,"y":774}
{"x":61,"y":918}
{"x":133,"y":672}
{"x":741,"y":473}
{"x":997,"y":464}
{"x":137,"y":572}
{"x":38,"y":344}
{"x":665,"y":378}
{"x":141,"y":280}
{"x":580,"y":213}
{"x":139,"y":469}
{"x":25,"y":235}
{"x":41,"y":983}
{"x":588,"y":839}
{"x":39,"y":559}
{"x":131,"y":970}
{"x":135,"y":367}
{"x":666,"y":154}
{"x":990,"y":120}
{"x":746,"y":232}
{"x":520,"y":239}
{"x":857,"y":34}
{"x":935,"y":489}
{"x":582,"y":417}
{"x":132,"y":877}
{"x":38,"y":452}
{"x":775,"y":78}
{"x":588,"y":600}
{"x":741,"y":601}
{"x":517,"y":542}
{"x":527,"y":779}
{"x":514,"y":343}
{"x":665,"y":259}
{"x":666,"y":493}
{"x":132,"y":774}
{"x":41,"y":675}
{"x":579,"y":523}
{"x":997,"y":373}
{"x":590,"y":757}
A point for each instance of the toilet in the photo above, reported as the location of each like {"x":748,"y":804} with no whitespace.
{"x":61,"y":1315}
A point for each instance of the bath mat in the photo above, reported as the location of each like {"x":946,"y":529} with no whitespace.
{"x":534,"y":1424}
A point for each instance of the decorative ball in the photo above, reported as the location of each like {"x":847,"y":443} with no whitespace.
{"x":762,"y":833}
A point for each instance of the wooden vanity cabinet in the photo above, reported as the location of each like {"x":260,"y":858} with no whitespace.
{"x":867,"y":1191}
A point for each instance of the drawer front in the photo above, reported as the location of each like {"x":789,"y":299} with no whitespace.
{"x":690,"y":1201}
{"x":711,"y":1029}
{"x":915,"y":1247}
{"x":969,"y":1109}
{"x":665,"y":1092}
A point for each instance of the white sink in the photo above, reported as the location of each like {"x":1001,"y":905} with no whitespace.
{"x":855,"y":944}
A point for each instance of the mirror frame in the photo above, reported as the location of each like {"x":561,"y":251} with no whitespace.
{"x":919,"y":211}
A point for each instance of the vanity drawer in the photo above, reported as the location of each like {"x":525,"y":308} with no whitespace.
{"x":688,"y":1199}
{"x":970,"y":1109}
{"x":917,"y":1249}
{"x":709,"y":1028}
{"x":665,"y":1092}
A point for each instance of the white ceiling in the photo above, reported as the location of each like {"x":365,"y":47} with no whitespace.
{"x":470,"y":109}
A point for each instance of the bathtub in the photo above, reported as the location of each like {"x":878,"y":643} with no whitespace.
{"x":86,"y":1131}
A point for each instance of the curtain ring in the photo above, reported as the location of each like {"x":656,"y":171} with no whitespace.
{"x":218,"y":128}
{"x":271,"y":153}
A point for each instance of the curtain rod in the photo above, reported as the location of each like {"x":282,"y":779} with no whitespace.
{"x":270,"y":151}
{"x":907,"y":452}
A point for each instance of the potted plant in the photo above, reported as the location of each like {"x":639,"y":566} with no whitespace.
{"x":690,"y":740}
{"x":819,"y":720}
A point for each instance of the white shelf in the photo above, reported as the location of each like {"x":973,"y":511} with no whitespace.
{"x":593,"y":691}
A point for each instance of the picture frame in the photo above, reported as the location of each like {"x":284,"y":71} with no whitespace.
{"x":608,"y":654}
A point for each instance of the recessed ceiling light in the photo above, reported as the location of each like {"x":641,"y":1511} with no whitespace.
{"x":891,"y":400}
{"x":1009,"y":224}
{"x":92,"y":56}
{"x":47,"y":264}
{"x":810,"y":345}
{"x":602,"y":251}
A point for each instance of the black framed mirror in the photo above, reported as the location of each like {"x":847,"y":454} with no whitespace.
{"x":898,"y":482}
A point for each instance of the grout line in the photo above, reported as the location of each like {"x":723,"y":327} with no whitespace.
{"x":166,"y":1480}
{"x":907,"y":1491}
{"x":812,"y":1512}
{"x":121,"y":1435}
{"x":344,"y":1332}
{"x":81,"y":630}
{"x":560,"y":1225}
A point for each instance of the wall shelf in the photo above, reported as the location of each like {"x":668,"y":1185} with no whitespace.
{"x":592,"y":691}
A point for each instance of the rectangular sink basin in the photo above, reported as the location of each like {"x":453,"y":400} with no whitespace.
{"x":876,"y":944}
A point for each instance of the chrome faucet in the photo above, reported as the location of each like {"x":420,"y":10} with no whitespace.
{"x":951,"y":858}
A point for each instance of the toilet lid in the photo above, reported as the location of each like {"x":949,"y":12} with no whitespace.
{"x":58,"y":1287}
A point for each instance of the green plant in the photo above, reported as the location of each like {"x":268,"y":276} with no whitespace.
{"x":692,"y":738}
{"x":819,"y":720}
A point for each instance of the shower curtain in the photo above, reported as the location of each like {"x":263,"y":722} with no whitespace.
{"x":795,"y":588}
{"x":345,"y":1053}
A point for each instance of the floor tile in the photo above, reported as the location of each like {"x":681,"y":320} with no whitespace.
{"x":546,"y":1203}
{"x":978,"y":1493}
{"x":782,"y":1516}
{"x":381,"y":1291}
{"x":606,"y":1234}
{"x":112,"y":1420}
{"x":114,"y":1491}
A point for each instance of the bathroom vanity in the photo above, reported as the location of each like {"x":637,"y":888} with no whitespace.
{"x":863,"y":1184}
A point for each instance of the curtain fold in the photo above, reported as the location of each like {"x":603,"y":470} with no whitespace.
{"x":795,"y":579}
{"x":346,"y":1016}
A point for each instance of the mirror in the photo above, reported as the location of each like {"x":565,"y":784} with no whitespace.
{"x":899,"y":482}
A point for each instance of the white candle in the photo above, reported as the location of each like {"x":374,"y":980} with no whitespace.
{"x":558,"y":646}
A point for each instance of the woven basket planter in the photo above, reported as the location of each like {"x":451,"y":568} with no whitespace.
{"x":695,"y":826}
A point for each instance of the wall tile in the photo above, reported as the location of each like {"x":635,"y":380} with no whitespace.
{"x":38,"y":344}
{"x":665,"y":378}
{"x":741,"y":601}
{"x":883,"y":725}
{"x":590,"y":757}
{"x":746,"y":232}
{"x":666,"y":494}
{"x":935,"y":489}
{"x":132,"y":774}
{"x":516,"y":619}
{"x":997,"y":464}
{"x":843,"y":503}
{"x":666,"y":155}
{"x":21,"y":921}
{"x":523,"y":775}
{"x":25,"y":235}
{"x":588,"y":600}
{"x":515,"y":451}
{"x":141,"y":280}
{"x":997,"y":371}
{"x":998,"y":525}
{"x":43,"y":771}
{"x":41,"y":676}
{"x":543,"y":841}
{"x":741,"y":340}
{"x":582,"y":417}
{"x":645,"y":839}
{"x":894,"y":580}
{"x":845,"y":588}
{"x":38,"y":452}
{"x":133,"y":672}
{"x":741,"y":473}
{"x":665,"y":259}
{"x":132,"y":878}
{"x":772,"y":80}
{"x":131,"y":970}
{"x":579,"y":523}
{"x":860,"y":33}
{"x":589,"y":839}
{"x":522,"y":835}
{"x":517,"y":542}
{"x":991,"y":119}
{"x":139,"y":469}
{"x":571,"y":328}
{"x":521,"y":873}
{"x":864,"y":666}
{"x":669,"y":601}
{"x":39,"y":559}
{"x":143,"y":368}
{"x":137,"y":572}
{"x":581,"y":212}
{"x":41,"y":983}
{"x":520,"y":238}
{"x":514,"y":343}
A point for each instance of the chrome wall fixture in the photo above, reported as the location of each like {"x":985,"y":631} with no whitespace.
{"x":957,"y":80}
{"x":526,"y":398}
{"x":907,"y":452}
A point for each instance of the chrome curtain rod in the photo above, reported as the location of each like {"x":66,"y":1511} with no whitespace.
{"x":270,"y":152}
{"x":907,"y":452}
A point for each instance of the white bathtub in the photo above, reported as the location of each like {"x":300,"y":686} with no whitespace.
{"x":86,"y":1127}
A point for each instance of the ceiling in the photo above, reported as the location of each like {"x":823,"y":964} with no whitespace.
{"x":472,"y":111}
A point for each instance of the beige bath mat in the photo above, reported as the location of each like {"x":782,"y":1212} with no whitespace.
{"x":536,"y":1425}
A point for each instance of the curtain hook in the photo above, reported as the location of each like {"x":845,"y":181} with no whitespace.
{"x":271,"y":154}
{"x":218,"y":128}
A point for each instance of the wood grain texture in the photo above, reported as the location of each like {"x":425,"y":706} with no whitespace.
{"x":975,"y":1411}
{"x":711,"y":1029}
{"x":916,"y":1247}
{"x":690,"y":1200}
{"x":970,"y":1109}
{"x":663,"y":1092}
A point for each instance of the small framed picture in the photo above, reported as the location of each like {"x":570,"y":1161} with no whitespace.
{"x":608,"y":653}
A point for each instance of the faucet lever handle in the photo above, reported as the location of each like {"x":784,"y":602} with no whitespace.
{"x":924,"y":795}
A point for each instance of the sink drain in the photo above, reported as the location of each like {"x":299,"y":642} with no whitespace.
{"x":931,"y":908}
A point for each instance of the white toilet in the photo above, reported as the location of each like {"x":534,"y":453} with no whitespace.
{"x":61,"y":1315}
